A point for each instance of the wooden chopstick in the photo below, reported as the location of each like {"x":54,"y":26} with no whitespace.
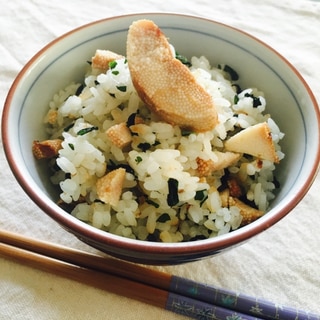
{"x":121,"y":286}
{"x":104,"y":281}
{"x":88,"y":260}
{"x":175,"y":291}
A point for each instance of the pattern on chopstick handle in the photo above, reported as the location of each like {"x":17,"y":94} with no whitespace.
{"x":200,"y":310}
{"x":238,"y":302}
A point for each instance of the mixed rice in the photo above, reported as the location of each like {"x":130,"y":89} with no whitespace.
{"x":160,"y":188}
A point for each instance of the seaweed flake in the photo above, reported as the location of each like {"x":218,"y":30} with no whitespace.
{"x":183,"y":59}
{"x":256,"y":100}
{"x":153,"y":203}
{"x":138,"y":159}
{"x":144,"y":146}
{"x":233,"y":74}
{"x":173,"y":197}
{"x":113,"y":166}
{"x":122,"y":88}
{"x":164,"y":218}
{"x":79,"y":90}
{"x":86,"y":130}
{"x":131,"y":119}
{"x":201,"y":195}
{"x":67,"y":128}
{"x":112,"y":64}
{"x":237,"y":87}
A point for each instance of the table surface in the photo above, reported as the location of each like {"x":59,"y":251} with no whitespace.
{"x":280,"y":265}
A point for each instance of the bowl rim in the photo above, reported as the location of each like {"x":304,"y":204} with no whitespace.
{"x":81,"y":229}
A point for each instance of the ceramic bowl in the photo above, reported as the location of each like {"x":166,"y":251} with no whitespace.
{"x":290,"y":102}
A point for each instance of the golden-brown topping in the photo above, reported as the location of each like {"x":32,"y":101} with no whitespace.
{"x":51,"y":116}
{"x":224,"y":160}
{"x":204,"y":168}
{"x":248,"y":213}
{"x":256,"y":141}
{"x":234,"y":188}
{"x":140,"y":129}
{"x":102,"y":58}
{"x":119,"y":135}
{"x":138,"y":120}
{"x":109,"y":187}
{"x":164,"y":83}
{"x":46,"y":149}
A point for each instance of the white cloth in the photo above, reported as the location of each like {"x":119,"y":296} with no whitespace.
{"x":280,"y":265}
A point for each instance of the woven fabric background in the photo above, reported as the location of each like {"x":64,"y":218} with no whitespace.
{"x":280,"y":265}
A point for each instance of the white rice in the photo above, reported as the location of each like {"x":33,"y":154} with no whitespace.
{"x":172,"y":155}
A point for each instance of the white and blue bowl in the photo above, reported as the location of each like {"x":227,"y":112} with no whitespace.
{"x":290,"y":102}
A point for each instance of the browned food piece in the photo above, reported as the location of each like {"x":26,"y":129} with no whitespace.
{"x":137,"y":120}
{"x":164,"y":83}
{"x":119,"y":135}
{"x":248,"y":213}
{"x":102,"y":58}
{"x":224,"y":160}
{"x":204,"y":168}
{"x":256,"y":141}
{"x":109,"y":187}
{"x":234,"y":188}
{"x":140,"y":129}
{"x":46,"y":149}
{"x":51,"y":117}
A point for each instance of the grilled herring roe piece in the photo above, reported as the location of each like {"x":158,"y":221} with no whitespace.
{"x":102,"y":59}
{"x":164,"y":83}
{"x":224,"y":160}
{"x":248,"y":213}
{"x":256,"y":141}
{"x":46,"y":149}
{"x":109,"y":187}
{"x":234,"y":188}
{"x":119,"y":135}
